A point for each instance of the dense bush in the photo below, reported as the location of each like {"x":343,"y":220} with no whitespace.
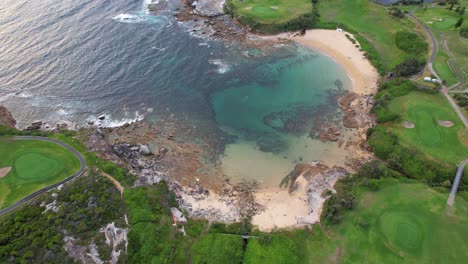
{"x":408,"y":67}
{"x":151,"y":238}
{"x":218,"y":248}
{"x":395,"y":88}
{"x":464,"y":32}
{"x":31,"y":235}
{"x":408,"y":162}
{"x":396,"y":12}
{"x":384,"y":115}
{"x":462,"y":100}
{"x":411,"y":43}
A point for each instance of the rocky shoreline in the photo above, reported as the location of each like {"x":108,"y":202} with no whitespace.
{"x":160,"y":151}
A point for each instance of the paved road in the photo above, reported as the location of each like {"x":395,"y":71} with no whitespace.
{"x":444,"y":89}
{"x":45,"y":189}
{"x":456,"y":182}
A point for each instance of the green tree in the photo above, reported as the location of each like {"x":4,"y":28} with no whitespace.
{"x":459,"y":22}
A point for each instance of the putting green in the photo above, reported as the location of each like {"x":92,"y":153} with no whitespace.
{"x":400,"y":223}
{"x":29,"y":166}
{"x":34,"y":165}
{"x":426,"y":128}
{"x":264,"y":11}
{"x":270,"y":11}
{"x":424,"y":110}
{"x":401,"y":230}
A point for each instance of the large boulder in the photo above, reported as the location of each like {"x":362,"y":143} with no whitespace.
{"x":208,"y":8}
{"x":6,"y":118}
{"x":144,"y":150}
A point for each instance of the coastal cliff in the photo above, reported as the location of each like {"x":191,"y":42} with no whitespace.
{"x":6,"y":118}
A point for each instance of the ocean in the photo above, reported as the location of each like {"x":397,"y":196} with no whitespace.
{"x":70,"y":60}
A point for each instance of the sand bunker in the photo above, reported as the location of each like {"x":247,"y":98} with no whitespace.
{"x":445,"y":123}
{"x":4,"y":171}
{"x":408,"y":124}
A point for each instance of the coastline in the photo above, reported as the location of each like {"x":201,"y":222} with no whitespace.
{"x":337,"y":46}
{"x":206,"y":195}
{"x":303,"y":206}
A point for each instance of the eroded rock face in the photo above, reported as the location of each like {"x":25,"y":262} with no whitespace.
{"x":6,"y":118}
{"x":208,"y":8}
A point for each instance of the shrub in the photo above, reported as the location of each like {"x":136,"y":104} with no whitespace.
{"x":408,"y":67}
{"x":411,"y":43}
{"x":464,"y":32}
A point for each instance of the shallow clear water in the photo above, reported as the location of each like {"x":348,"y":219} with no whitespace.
{"x":75,"y":60}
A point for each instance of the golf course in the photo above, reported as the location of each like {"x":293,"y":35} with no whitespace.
{"x":271,"y":11}
{"x":30,"y":165}
{"x":449,"y":144}
{"x":402,"y":222}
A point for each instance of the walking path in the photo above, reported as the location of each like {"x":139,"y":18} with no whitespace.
{"x":50,"y":187}
{"x":116,"y":183}
{"x":444,"y":89}
{"x":456,"y":182}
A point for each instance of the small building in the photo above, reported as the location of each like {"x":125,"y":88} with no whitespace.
{"x":427,"y":79}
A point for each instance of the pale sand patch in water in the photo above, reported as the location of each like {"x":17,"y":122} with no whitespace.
{"x":4,"y":171}
{"x":243,"y":160}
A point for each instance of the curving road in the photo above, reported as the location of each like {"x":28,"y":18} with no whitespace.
{"x":50,"y":187}
{"x":454,"y":105}
{"x":444,"y":89}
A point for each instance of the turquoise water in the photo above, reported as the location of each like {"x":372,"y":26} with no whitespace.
{"x":77,"y":60}
{"x":272,"y":120}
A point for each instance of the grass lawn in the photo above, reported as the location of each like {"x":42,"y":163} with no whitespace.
{"x":442,"y":20}
{"x":35,"y":164}
{"x":272,"y":11}
{"x":424,"y":110}
{"x":372,"y":21}
{"x":400,"y":223}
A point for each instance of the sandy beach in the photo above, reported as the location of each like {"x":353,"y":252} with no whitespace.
{"x":336,"y":45}
{"x":281,"y":208}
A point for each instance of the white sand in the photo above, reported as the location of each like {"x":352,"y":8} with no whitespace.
{"x":336,"y":45}
{"x":281,"y":208}
{"x":343,"y":51}
{"x":4,"y":171}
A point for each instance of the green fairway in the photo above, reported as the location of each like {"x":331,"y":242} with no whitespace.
{"x":442,"y":20}
{"x":424,"y":110}
{"x":373,"y":22}
{"x":400,"y":223}
{"x":34,"y":165}
{"x":271,"y":11}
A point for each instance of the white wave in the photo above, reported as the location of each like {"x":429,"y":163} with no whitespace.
{"x":109,"y":122}
{"x":222,"y":66}
{"x":5,"y":97}
{"x":128,"y":18}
